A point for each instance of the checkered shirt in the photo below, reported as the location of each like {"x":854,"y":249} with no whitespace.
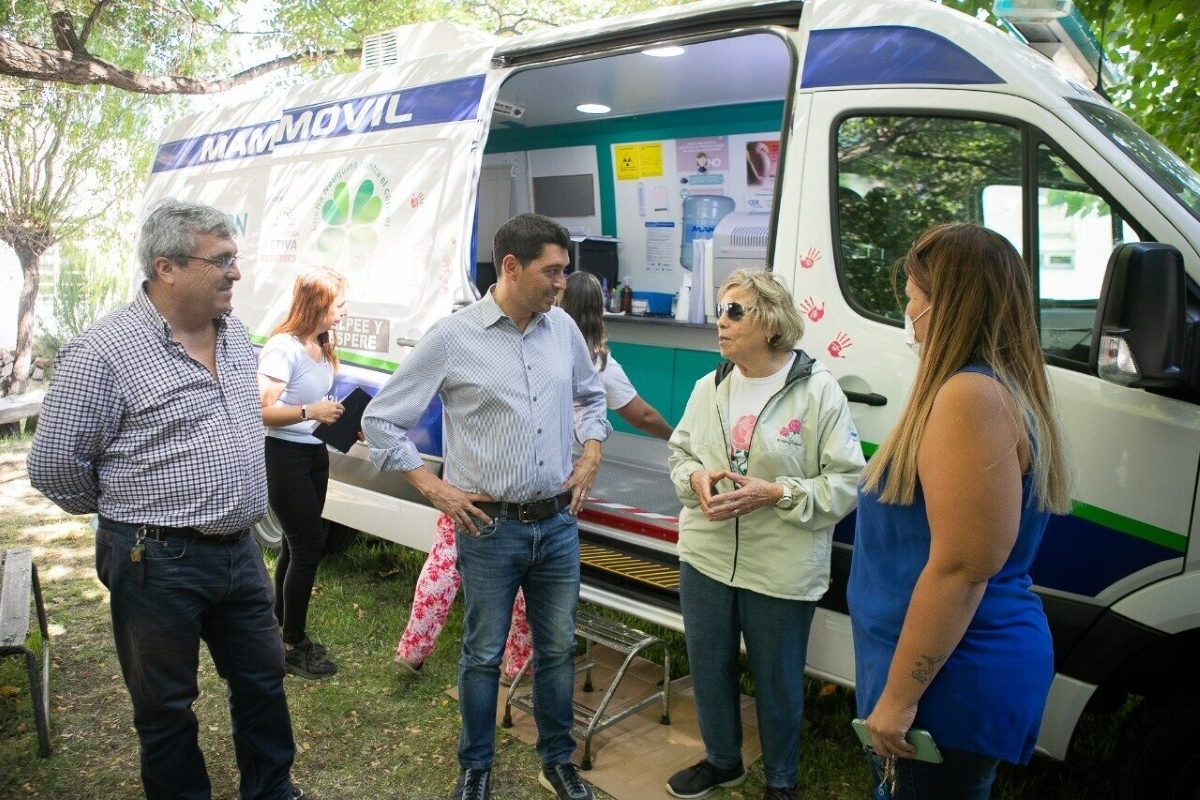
{"x":136,"y":429}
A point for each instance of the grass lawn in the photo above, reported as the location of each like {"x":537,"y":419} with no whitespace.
{"x":365,"y":733}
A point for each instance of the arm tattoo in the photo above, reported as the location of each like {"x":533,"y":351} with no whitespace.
{"x":926,"y":667}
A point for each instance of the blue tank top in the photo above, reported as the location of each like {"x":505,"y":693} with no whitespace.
{"x":989,"y":695}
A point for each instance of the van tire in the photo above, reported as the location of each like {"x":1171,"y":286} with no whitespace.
{"x":339,"y":538}
{"x":268,"y":531}
{"x":1159,"y":749}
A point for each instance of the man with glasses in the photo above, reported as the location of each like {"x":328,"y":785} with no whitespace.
{"x":510,"y":370}
{"x":153,"y":421}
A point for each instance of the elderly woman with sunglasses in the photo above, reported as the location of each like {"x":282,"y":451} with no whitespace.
{"x":765,"y":460}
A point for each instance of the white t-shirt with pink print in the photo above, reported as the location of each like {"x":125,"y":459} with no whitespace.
{"x":747,"y":396}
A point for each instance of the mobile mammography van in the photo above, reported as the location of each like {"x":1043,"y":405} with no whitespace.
{"x":833,"y":132}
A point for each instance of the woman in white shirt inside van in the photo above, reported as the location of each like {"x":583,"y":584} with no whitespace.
{"x":295,"y":377}
{"x":583,"y":299}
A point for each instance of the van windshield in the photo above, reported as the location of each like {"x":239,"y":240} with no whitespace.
{"x":1167,"y":169}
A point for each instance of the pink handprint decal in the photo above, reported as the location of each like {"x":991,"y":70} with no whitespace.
{"x":809,"y":306}
{"x":416,"y":199}
{"x":811,"y":257}
{"x":839,"y":343}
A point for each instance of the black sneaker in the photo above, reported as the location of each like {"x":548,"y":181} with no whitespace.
{"x":307,"y":661}
{"x":564,"y":781}
{"x":779,"y":793}
{"x":297,"y":792}
{"x":474,"y":784}
{"x":699,"y":780}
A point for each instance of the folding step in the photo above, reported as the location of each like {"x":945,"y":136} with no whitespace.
{"x":588,"y":720}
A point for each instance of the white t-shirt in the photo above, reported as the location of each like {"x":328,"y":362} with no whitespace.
{"x":284,"y":358}
{"x":618,"y":391}
{"x":747,"y":396}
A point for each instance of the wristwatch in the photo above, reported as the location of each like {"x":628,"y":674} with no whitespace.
{"x":788,"y":500}
{"x":303,"y":414}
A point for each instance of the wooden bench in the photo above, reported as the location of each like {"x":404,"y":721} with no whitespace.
{"x":17,"y":407}
{"x":20,"y":586}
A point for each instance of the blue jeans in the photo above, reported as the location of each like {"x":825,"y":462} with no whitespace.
{"x":962,"y":775}
{"x":543,"y":558}
{"x":180,"y":592}
{"x":716,"y":617}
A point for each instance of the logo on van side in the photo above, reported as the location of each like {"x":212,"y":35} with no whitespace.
{"x":350,"y":209}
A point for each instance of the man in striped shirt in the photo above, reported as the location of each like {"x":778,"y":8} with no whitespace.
{"x":153,"y":420}
{"x":509,"y":370}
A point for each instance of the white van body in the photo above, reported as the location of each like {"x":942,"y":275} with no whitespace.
{"x":876,"y":119}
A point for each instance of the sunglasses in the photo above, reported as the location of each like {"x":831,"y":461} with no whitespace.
{"x":735,"y":311}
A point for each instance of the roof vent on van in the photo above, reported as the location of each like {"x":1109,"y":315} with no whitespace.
{"x":379,"y":49}
{"x":419,"y":40}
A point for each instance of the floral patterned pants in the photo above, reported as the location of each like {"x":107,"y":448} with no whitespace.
{"x":435,"y":591}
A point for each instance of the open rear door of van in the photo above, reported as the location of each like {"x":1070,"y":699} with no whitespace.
{"x":373,"y":173}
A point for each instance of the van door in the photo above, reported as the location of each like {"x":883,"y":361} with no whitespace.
{"x":884,"y":166}
{"x":372,"y":173}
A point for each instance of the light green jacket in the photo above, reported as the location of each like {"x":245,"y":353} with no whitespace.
{"x":774,"y":551}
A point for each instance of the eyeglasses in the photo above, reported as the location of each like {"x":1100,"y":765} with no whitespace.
{"x":735,"y":311}
{"x":225,"y":263}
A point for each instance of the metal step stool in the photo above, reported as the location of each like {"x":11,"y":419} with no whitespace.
{"x":20,"y":583}
{"x":588,"y":721}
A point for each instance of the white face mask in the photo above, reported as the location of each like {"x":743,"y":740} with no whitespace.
{"x":910,"y":332}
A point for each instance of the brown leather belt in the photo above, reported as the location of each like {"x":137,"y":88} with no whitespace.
{"x":533,"y":511}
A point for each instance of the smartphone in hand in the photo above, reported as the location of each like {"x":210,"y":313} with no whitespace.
{"x":922,"y":740}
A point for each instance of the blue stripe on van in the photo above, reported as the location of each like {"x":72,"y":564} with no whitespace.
{"x":1076,"y":555}
{"x":435,"y":104}
{"x":888,"y":54}
{"x":426,"y":434}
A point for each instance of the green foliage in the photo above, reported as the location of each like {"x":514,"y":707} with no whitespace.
{"x":1155,"y":45}
{"x":903,"y":174}
{"x":334,"y":24}
{"x":86,"y":289}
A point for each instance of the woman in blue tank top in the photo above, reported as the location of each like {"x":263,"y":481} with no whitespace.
{"x":948,"y":636}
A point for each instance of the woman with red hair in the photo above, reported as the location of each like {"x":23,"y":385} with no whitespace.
{"x":295,"y":376}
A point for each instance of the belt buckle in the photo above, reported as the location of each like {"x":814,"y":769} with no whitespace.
{"x":154,"y":532}
{"x":526,"y":512}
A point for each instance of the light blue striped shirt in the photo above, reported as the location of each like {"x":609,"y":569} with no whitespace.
{"x":508,"y":402}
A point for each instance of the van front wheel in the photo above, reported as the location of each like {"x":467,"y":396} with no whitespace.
{"x":1160,"y":750}
{"x":268,"y":532}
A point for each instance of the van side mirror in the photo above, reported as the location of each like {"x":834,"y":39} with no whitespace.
{"x":1138,"y":336}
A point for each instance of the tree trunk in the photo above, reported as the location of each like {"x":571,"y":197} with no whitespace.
{"x":31,"y":267}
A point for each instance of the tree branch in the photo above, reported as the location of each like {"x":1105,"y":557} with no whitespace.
{"x":80,"y":68}
{"x":93,"y":17}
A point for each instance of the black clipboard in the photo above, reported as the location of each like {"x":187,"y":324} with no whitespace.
{"x":342,"y":434}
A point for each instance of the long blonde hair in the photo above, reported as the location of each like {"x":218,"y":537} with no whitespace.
{"x":315,"y":292}
{"x":981,"y":312}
